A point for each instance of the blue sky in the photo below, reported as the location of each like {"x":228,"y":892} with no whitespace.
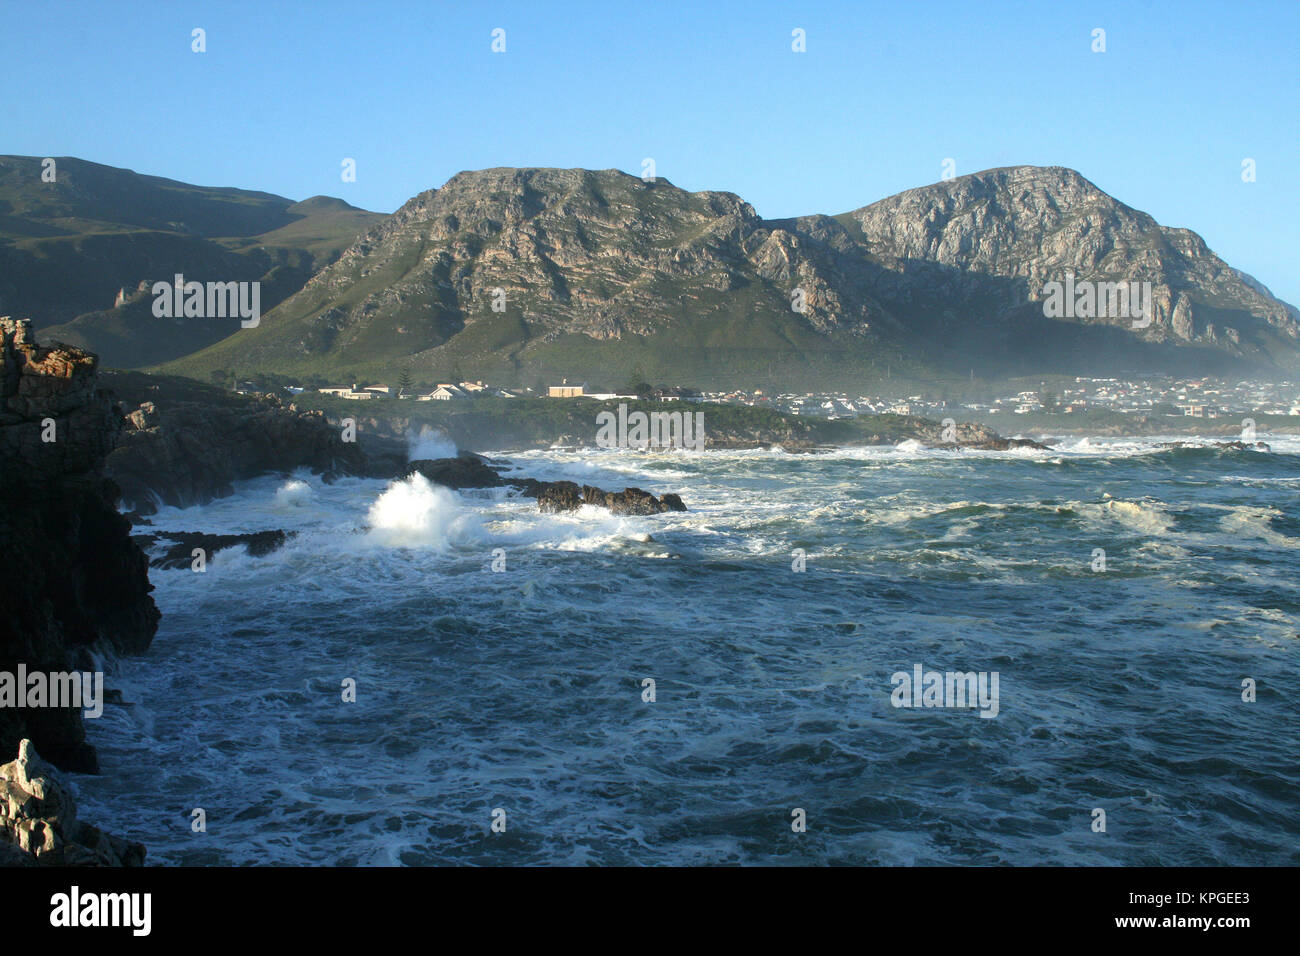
{"x":711,"y":91}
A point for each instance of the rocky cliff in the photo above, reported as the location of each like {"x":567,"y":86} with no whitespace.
{"x":185,"y":444}
{"x":72,"y":581}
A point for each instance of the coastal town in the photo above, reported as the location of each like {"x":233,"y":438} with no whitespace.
{"x":1193,"y":398}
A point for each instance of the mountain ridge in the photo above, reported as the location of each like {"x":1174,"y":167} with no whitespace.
{"x":68,"y":247}
{"x":525,"y":273}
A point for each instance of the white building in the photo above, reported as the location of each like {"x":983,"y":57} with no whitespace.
{"x":443,"y":393}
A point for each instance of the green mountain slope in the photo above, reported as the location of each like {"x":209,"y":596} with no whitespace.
{"x":597,"y":273}
{"x":593,"y":274}
{"x":68,"y":247}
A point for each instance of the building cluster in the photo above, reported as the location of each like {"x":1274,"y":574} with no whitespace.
{"x":448,"y":391}
{"x":443,"y":392}
{"x":1195,"y":398}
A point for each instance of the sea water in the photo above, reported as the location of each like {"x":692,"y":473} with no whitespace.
{"x":1139,"y":605}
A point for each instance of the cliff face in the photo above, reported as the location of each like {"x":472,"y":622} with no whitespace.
{"x":72,"y":579}
{"x":599,"y":253}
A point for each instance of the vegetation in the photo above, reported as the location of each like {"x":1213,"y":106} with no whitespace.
{"x":488,"y":422}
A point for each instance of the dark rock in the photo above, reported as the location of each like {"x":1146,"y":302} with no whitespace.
{"x":466,"y":470}
{"x":71,"y":578}
{"x":1225,"y":445}
{"x":181,"y":553}
{"x":997,"y":443}
{"x":558,"y":496}
{"x":629,"y":501}
{"x":188,"y":445}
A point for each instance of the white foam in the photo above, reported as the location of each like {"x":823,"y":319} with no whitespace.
{"x":293,"y":494}
{"x":414,"y":512}
{"x":429,"y":444}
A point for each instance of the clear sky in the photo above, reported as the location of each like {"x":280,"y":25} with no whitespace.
{"x":1184,"y":92}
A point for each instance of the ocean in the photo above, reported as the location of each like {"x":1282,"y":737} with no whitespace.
{"x":1121,"y":592}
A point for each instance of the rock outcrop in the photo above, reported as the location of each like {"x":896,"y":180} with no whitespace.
{"x":39,"y":825}
{"x":186,"y":444}
{"x":559,"y":496}
{"x":1220,"y":445}
{"x":180,"y":552}
{"x":466,"y":470}
{"x":71,"y":579}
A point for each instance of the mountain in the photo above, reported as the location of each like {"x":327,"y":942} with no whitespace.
{"x":601,"y":273}
{"x":598,"y":272}
{"x":69,"y":247}
{"x":525,"y":275}
{"x":967,"y":261}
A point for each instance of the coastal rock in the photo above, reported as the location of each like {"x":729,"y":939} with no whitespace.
{"x":997,"y":443}
{"x":71,"y":579}
{"x":555,"y":496}
{"x":560,"y":496}
{"x":1224,"y":445}
{"x":186,"y":444}
{"x":965,"y":435}
{"x":466,"y":470}
{"x":629,"y":501}
{"x":38,"y":820}
{"x":180,"y":554}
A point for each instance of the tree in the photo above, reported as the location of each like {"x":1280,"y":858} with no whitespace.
{"x":636,"y":383}
{"x":403,"y":382}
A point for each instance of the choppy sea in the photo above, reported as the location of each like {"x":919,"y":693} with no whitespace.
{"x":1122,"y":592}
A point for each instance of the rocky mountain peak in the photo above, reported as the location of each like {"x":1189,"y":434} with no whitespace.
{"x":510,"y":269}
